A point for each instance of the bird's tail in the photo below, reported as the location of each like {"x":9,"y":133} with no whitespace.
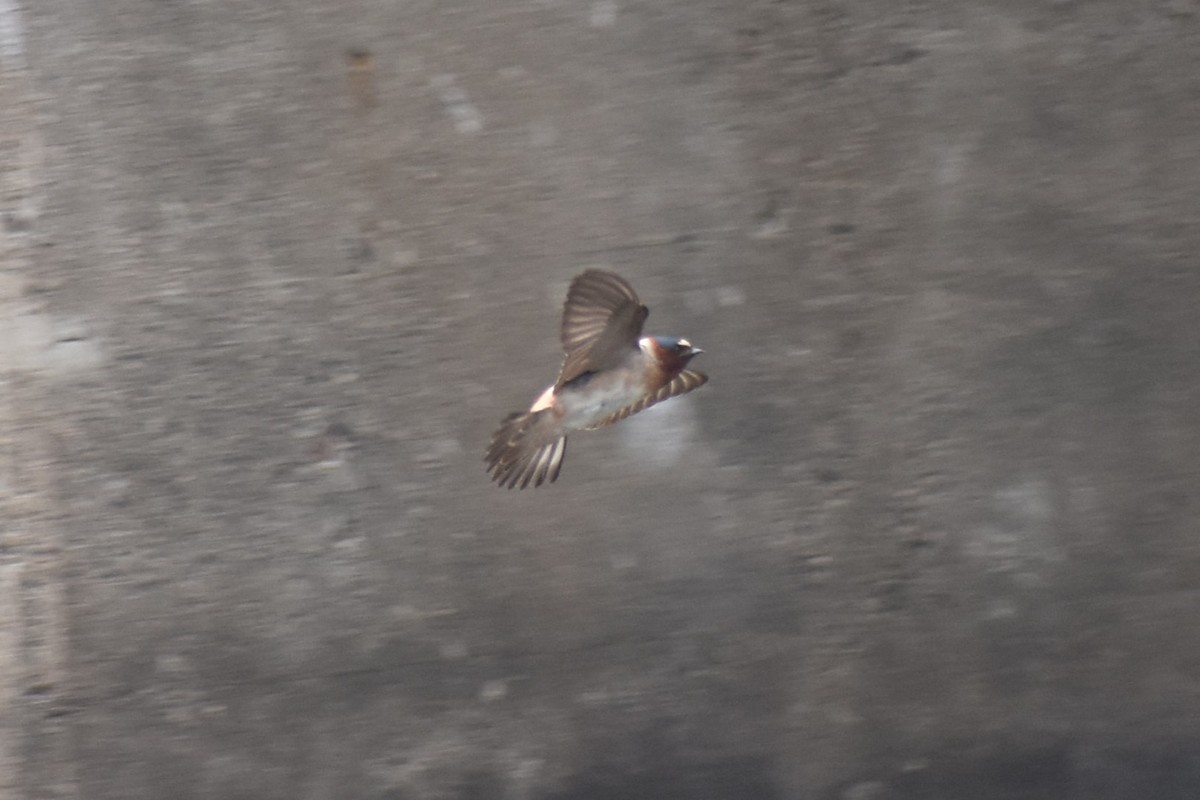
{"x":527,"y":448}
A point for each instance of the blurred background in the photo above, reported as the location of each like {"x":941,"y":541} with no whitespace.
{"x":271,"y":272}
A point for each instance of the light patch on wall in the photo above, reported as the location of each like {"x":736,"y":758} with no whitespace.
{"x":603,"y":14}
{"x":1018,"y":533}
{"x":12,"y":35}
{"x":661,"y":435}
{"x":466,"y":117}
{"x":32,"y":341}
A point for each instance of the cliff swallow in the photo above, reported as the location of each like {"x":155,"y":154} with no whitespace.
{"x":608,"y":373}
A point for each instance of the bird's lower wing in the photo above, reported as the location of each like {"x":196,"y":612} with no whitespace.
{"x":682,"y":383}
{"x":527,"y":448}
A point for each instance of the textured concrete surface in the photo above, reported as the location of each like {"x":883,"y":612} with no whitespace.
{"x":271,"y":272}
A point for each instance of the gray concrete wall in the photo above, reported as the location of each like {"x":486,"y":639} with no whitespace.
{"x":931,"y":531}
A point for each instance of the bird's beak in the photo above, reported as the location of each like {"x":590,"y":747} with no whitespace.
{"x":696,"y":351}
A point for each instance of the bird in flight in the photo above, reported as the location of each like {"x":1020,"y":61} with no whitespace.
{"x":609,"y":372}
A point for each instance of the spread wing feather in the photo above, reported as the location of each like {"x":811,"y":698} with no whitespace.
{"x":681,"y":384}
{"x":602,"y":320}
{"x":526,"y":449}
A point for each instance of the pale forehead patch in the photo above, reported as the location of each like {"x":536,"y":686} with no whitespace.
{"x":646,"y":341}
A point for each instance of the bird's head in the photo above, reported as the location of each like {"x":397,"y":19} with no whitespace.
{"x":670,"y":351}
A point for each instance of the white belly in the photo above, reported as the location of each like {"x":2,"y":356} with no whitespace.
{"x":583,"y":407}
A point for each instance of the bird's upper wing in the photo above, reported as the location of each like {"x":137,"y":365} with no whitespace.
{"x":602,"y":320}
{"x":682,"y":383}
